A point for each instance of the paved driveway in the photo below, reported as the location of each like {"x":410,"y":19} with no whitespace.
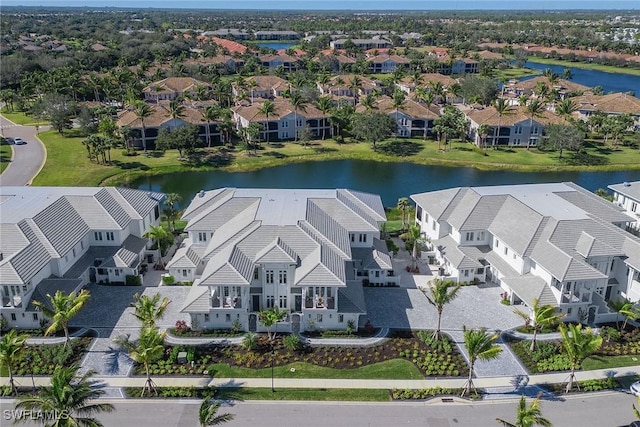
{"x":408,"y":308}
{"x":27,"y":159}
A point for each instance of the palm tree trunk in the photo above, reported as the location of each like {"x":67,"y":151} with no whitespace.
{"x":570,"y":382}
{"x":66,"y":334}
{"x":533,"y":341}
{"x":144,"y":138}
{"x":12,"y":383}
{"x":467,"y":388}
{"x":436,"y":334}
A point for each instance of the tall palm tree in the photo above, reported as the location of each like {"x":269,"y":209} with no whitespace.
{"x":355,"y":86}
{"x":502,"y":108}
{"x":162,"y":238}
{"x":208,"y":414}
{"x":624,"y":307}
{"x":66,"y":403}
{"x":268,"y":108}
{"x":210,"y":114}
{"x":147,"y":349}
{"x":441,"y":292}
{"x":535,"y":107}
{"x":176,"y":109}
{"x":143,"y":110}
{"x":325,"y":106}
{"x":403,"y":204}
{"x":298,"y":102}
{"x":399,"y":98}
{"x":414,"y":237}
{"x":63,"y":308}
{"x":527,"y":415}
{"x":480,"y":345}
{"x":149,"y":309}
{"x":542,"y":316}
{"x":578,"y":344}
{"x":566,"y":107}
{"x":483,"y":132}
{"x":12,"y":348}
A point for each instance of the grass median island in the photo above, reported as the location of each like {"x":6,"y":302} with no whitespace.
{"x":5,"y":156}
{"x":68,"y":164}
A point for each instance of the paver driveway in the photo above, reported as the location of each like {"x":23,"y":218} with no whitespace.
{"x":408,"y":308}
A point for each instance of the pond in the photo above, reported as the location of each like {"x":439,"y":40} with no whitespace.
{"x":277,"y":45}
{"x":390,"y":180}
{"x":610,"y":82}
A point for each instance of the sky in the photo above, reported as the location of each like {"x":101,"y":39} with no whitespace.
{"x":342,"y":4}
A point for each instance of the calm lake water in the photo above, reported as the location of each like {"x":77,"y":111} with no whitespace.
{"x":277,"y":45}
{"x":390,"y":180}
{"x":610,"y":82}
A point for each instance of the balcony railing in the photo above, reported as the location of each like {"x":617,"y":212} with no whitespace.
{"x":228,"y":302}
{"x":320,"y":302}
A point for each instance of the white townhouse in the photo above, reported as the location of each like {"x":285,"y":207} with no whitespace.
{"x":65,"y":238}
{"x":555,"y":242}
{"x":627,"y":196}
{"x":308,"y":252}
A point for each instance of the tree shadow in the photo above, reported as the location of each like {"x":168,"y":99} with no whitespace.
{"x":155,"y":154}
{"x":275,"y":154}
{"x":130,"y":165}
{"x":585,"y":159}
{"x":204,"y":158}
{"x":400,"y":148}
{"x":321,"y":150}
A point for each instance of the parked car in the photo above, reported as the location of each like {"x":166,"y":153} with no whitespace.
{"x":19,"y":141}
{"x":635,"y":388}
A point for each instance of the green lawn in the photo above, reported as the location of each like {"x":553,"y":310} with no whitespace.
{"x":328,"y":394}
{"x":22,"y":119}
{"x":67,"y":162}
{"x":605,"y":362}
{"x":5,"y":156}
{"x":392,"y":369}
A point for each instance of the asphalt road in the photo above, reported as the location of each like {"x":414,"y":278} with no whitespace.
{"x":609,"y":409}
{"x":27,"y":159}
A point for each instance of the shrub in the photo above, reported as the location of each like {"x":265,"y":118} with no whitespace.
{"x":351,"y":326}
{"x":131,"y":280}
{"x":236,"y":326}
{"x":250,"y":341}
{"x":181,"y":326}
{"x":610,"y":334}
{"x":168,"y":280}
{"x":292,"y":342}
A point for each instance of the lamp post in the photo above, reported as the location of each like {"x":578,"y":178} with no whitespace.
{"x":273,"y":390}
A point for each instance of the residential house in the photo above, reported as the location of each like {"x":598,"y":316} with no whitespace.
{"x":413,"y":118}
{"x":265,"y":87}
{"x":277,"y":35}
{"x":285,"y":62}
{"x":364,"y":44}
{"x":68,"y":238}
{"x":387,"y":63}
{"x":556,"y":243}
{"x":307,"y":252}
{"x":408,"y":84}
{"x":457,"y":66}
{"x":343,"y":90}
{"x":285,"y":121}
{"x":563,"y":88}
{"x":172,"y":88}
{"x":515,"y":128}
{"x":233,"y":33}
{"x":612,"y":104}
{"x":627,"y":196}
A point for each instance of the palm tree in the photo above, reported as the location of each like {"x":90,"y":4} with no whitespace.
{"x":527,"y":415}
{"x":483,"y":132}
{"x":566,"y":107}
{"x":12,"y":348}
{"x":542,"y":316}
{"x":170,"y":212}
{"x":624,"y":307}
{"x":355,"y":85}
{"x":298,"y":102}
{"x":398,"y":101}
{"x":480,"y":344}
{"x":142,"y":110}
{"x":210,"y":114}
{"x":267,"y":108}
{"x":149,"y":309}
{"x":403,"y":204}
{"x":208,"y":414}
{"x":271,"y":317}
{"x":578,"y":344}
{"x":162,"y":238}
{"x":146,"y":350}
{"x":534,"y":108}
{"x":66,"y":402}
{"x":441,"y":293}
{"x":502,"y":108}
{"x":63,"y":309}
{"x":176,"y":109}
{"x":325,"y":106}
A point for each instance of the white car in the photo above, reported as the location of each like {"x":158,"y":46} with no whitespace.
{"x":19,"y":141}
{"x":635,"y":388}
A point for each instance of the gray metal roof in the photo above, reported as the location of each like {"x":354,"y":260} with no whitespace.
{"x":49,"y":287}
{"x":628,"y":189}
{"x":197,"y":300}
{"x":370,"y":200}
{"x":594,"y":204}
{"x":354,"y":204}
{"x":227,"y":209}
{"x":459,"y":212}
{"x":353,"y":218}
{"x":515,"y":224}
{"x":351,"y":298}
{"x":62,"y":226}
{"x":185,"y":257}
{"x":142,"y":201}
{"x":94,"y":214}
{"x":328,"y":227}
{"x":32,"y":258}
{"x":128,"y":254}
{"x":435,"y":202}
{"x":277,"y":252}
{"x":530,"y":287}
{"x":115,"y":209}
{"x":455,"y":254}
{"x":204,"y":200}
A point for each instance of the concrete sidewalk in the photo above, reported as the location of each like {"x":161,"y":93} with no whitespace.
{"x":492,"y":382}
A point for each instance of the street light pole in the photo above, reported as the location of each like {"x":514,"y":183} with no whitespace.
{"x":273,"y":390}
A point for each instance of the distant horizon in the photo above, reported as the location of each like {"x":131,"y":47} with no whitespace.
{"x":341,"y":5}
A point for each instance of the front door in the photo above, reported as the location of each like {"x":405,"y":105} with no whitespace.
{"x":253,"y":320}
{"x":255,"y":303}
{"x":297,"y":305}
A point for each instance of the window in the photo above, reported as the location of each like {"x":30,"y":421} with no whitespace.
{"x":433,"y":225}
{"x":66,"y":258}
{"x":156,"y":212}
{"x":13,"y":316}
{"x":284,"y":124}
{"x":24,"y":289}
{"x":285,"y":135}
{"x":506,"y":250}
{"x":466,"y":273}
{"x":206,"y":317}
{"x":116,"y":272}
{"x":81,"y":244}
{"x":299,"y":123}
{"x":470,"y":236}
{"x":270,"y":301}
{"x":282,"y":277}
{"x":534,"y":130}
{"x":227,"y":317}
{"x":97,"y":235}
{"x":269,"y":278}
{"x":480,"y":235}
{"x":282,"y":301}
{"x":202,"y":237}
{"x":634,"y":206}
{"x":110,"y":235}
{"x":319,"y":317}
{"x":340,"y":318}
{"x":497,"y":243}
{"x":569,"y":310}
{"x":517,"y":130}
{"x":352,"y":237}
{"x":419,"y":214}
{"x":184,"y":272}
{"x":256,"y":273}
{"x":35,"y":316}
{"x":362,"y":238}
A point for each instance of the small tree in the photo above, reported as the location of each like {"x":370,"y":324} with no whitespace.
{"x":373,"y":127}
{"x":625,"y":308}
{"x":480,"y":344}
{"x":12,"y":348}
{"x":148,"y":349}
{"x":542,"y":316}
{"x":441,"y":292}
{"x":578,"y":344}
{"x":271,"y":317}
{"x":527,"y":415}
{"x":414,"y":238}
{"x":250,"y":341}
{"x":162,"y":238}
{"x":208,"y":414}
{"x":63,"y":309}
{"x":149,"y":309}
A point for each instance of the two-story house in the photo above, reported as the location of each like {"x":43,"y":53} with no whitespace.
{"x":307,"y":252}
{"x":557,"y":243}
{"x":627,"y":196}
{"x":413,"y":119}
{"x":172,"y":88}
{"x":65,"y":238}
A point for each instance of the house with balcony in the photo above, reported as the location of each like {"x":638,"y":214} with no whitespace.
{"x":627,"y":196}
{"x":172,"y":88}
{"x":364,"y":44}
{"x":67,"y":238}
{"x":307,"y":252}
{"x":612,"y":104}
{"x":385,"y":63}
{"x":285,"y":62}
{"x":265,"y":87}
{"x":413,"y":119}
{"x":557,"y":243}
{"x":285,"y":121}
